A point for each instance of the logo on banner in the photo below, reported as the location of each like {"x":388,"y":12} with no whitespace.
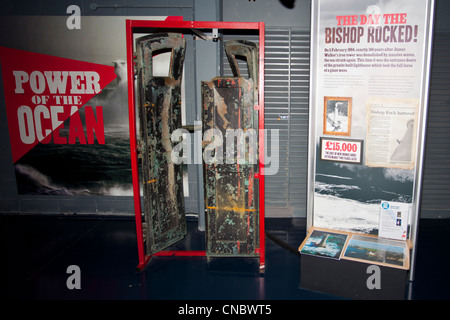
{"x":43,"y":91}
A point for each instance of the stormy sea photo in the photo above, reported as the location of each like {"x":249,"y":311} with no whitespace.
{"x":347,"y":196}
{"x":85,"y":169}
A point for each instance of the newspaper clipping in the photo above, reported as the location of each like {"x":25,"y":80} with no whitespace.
{"x":391,"y":133}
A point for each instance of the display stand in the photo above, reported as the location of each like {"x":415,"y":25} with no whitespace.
{"x":348,"y":279}
{"x":367,"y":124}
{"x":354,"y":265}
{"x":132,"y":26}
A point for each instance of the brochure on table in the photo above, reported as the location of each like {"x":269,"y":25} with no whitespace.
{"x":371,"y":249}
{"x":368,"y":103}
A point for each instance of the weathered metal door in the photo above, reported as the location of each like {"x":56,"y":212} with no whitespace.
{"x":159,"y":100}
{"x":230,"y":128}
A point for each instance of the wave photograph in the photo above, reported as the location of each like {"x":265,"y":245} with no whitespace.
{"x":77,"y":169}
{"x":347,"y":196}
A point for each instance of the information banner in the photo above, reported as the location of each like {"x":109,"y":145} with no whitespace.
{"x":369,"y":76}
{"x":66,"y":101}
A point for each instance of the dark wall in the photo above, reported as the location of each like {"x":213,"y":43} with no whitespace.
{"x":10,"y":200}
{"x":282,"y":14}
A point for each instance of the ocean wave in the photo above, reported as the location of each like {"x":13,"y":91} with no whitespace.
{"x":333,"y":176}
{"x":345,"y":214}
{"x":362,"y":191}
{"x":334,"y":189}
{"x":399,"y":175}
{"x":31,"y":181}
{"x":117,"y":190}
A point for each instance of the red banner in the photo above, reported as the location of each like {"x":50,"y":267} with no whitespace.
{"x":43,"y":91}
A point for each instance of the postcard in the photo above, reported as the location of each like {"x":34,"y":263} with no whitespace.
{"x":378,"y":251}
{"x":324,"y":244}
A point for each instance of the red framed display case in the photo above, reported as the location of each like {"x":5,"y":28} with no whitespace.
{"x":131,"y":27}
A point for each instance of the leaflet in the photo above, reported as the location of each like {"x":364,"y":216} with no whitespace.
{"x":393,"y":220}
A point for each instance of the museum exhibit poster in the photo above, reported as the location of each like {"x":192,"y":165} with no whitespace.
{"x":65,"y":94}
{"x":368,"y":87}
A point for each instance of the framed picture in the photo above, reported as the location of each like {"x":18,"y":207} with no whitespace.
{"x":337,"y":116}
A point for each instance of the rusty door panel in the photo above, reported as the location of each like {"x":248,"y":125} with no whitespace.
{"x":159,"y":100}
{"x":249,"y":51}
{"x":231,"y":191}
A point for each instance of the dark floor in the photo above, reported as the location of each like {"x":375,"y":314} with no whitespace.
{"x":36,"y":251}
